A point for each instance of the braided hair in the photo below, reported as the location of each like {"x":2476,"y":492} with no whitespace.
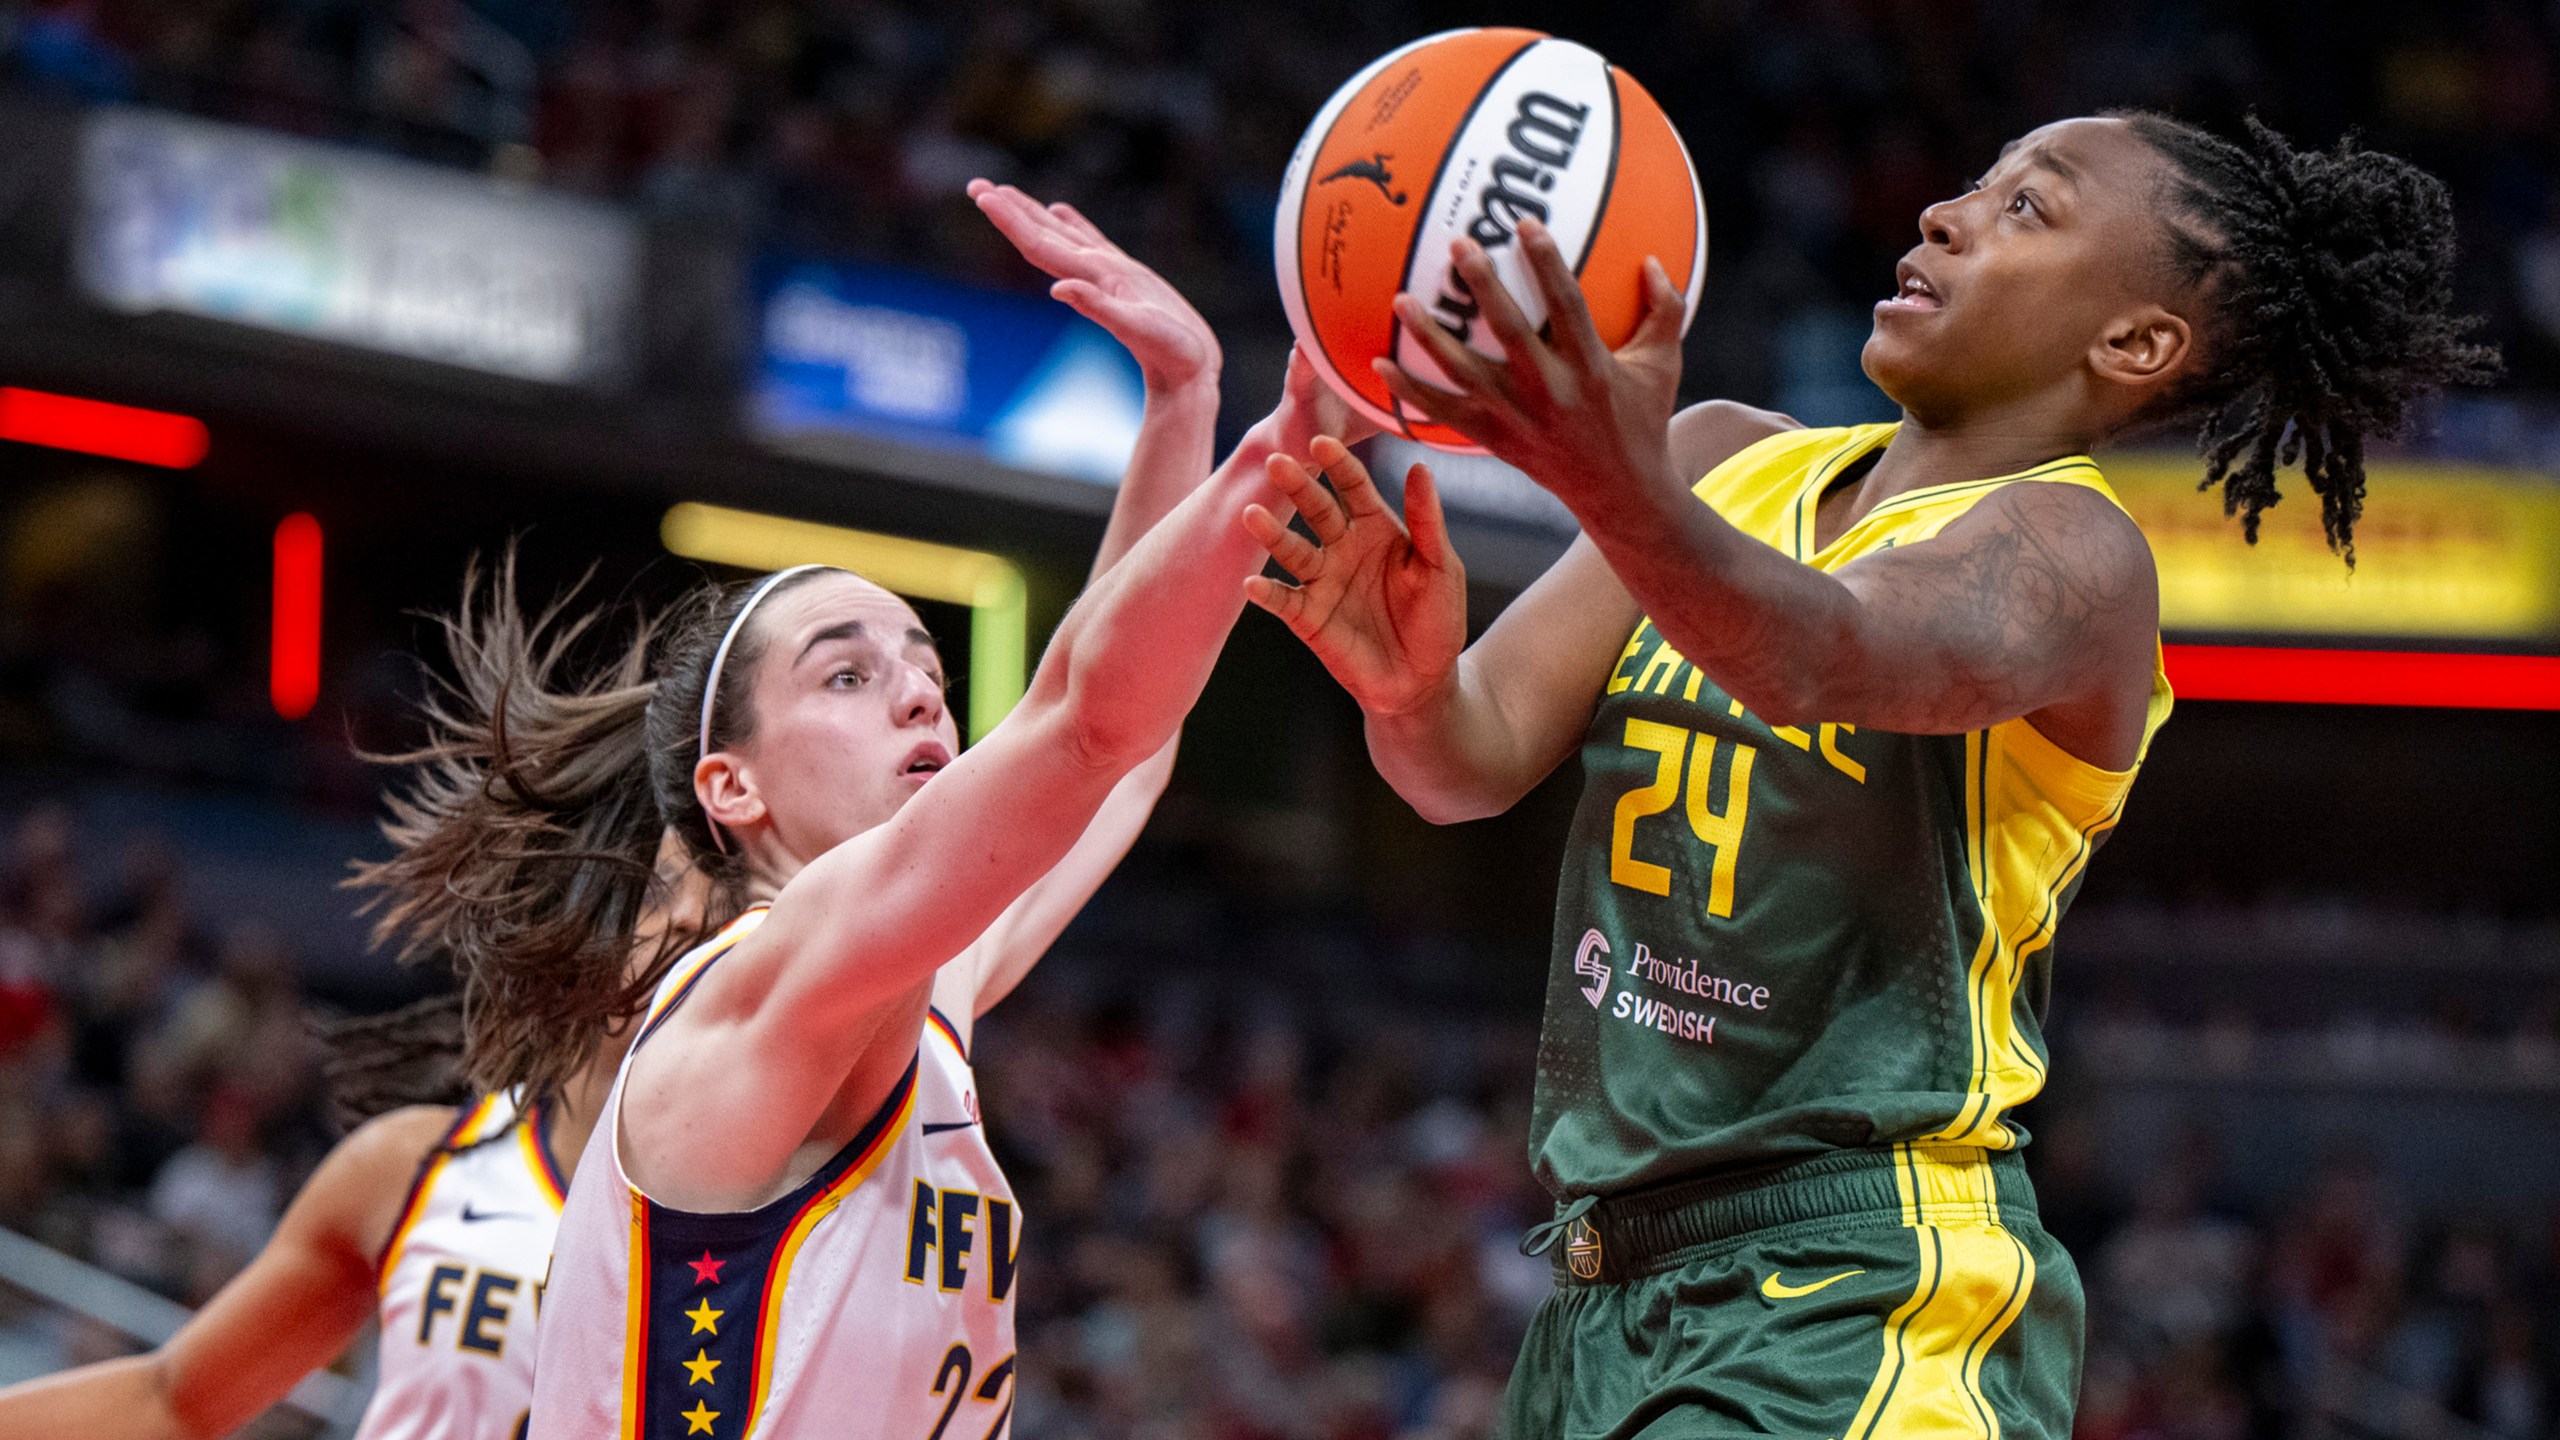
{"x":2328,"y":282}
{"x":408,"y":1056}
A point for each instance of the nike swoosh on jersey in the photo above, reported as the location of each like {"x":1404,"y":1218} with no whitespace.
{"x":472,"y":1217}
{"x":932,"y":1127}
{"x":1777,"y":1289}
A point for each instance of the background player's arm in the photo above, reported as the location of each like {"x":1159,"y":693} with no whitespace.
{"x":868,"y":921}
{"x":2042,"y":598}
{"x":1179,"y":357}
{"x":1463,"y":734}
{"x":293,"y":1310}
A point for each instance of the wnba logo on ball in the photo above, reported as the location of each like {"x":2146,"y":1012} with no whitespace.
{"x":1375,"y":171}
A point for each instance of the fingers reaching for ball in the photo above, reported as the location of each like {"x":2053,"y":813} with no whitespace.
{"x":1381,"y":602}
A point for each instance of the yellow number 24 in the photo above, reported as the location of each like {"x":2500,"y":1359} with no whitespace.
{"x":1721,"y":830}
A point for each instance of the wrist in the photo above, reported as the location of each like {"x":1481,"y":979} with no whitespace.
{"x":1640,"y":493}
{"x":1417,"y":704}
{"x":1197,"y":386}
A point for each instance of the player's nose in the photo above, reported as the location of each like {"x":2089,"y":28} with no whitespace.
{"x":919,"y":697}
{"x":1943,"y":224}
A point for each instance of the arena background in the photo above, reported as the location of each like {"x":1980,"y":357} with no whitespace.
{"x":399,"y":281}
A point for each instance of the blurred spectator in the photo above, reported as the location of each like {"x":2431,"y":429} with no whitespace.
{"x":1820,"y":129}
{"x":221,"y":1195}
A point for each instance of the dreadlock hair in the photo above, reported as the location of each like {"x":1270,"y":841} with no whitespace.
{"x":408,"y":1056}
{"x":527,"y":834}
{"x":2328,"y":282}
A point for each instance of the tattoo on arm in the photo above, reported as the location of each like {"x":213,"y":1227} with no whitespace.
{"x":2031,"y":600}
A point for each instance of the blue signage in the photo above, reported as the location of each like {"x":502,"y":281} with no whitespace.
{"x":860,"y":349}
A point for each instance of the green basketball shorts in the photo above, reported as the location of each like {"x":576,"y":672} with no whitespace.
{"x":1864,"y":1295}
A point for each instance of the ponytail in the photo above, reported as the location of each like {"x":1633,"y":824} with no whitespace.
{"x":524,"y":838}
{"x":528,"y":835}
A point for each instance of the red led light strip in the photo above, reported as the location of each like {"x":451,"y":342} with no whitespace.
{"x":94,"y":427}
{"x":2364,"y":677}
{"x":293,"y":656}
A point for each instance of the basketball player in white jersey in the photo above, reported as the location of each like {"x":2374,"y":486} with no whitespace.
{"x":434,"y":1219}
{"x":788,"y":1222}
{"x":438,"y":1220}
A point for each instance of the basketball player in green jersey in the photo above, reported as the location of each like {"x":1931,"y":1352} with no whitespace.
{"x":1853,"y":708}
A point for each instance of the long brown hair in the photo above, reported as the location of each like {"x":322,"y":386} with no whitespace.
{"x":527,"y":831}
{"x":377,"y":1063}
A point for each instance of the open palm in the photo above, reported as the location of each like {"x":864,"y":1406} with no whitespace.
{"x":1106,"y":285}
{"x":1383,"y":603}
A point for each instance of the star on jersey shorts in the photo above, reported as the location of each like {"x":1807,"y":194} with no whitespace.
{"x":1904,"y":1291}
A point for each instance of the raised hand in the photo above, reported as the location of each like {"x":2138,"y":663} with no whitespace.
{"x":1382,"y":603}
{"x":1103,"y":283}
{"x":1577,"y":417}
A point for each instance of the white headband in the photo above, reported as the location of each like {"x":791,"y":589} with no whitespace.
{"x":720,"y":657}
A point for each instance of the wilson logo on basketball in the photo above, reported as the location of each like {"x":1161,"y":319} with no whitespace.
{"x":1543,"y":138}
{"x":1374,"y":170}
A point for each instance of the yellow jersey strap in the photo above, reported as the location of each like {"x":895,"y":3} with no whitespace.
{"x":1772,"y":490}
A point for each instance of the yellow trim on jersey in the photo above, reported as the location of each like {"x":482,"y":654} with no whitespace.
{"x":770,"y":1323}
{"x":635,"y":1304}
{"x":2033,"y":811}
{"x":464,"y":1132}
{"x":1974,"y":1280}
{"x":679,"y":978}
{"x":529,"y":1139}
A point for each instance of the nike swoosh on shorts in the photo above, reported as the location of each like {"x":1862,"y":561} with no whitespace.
{"x":1777,"y":1289}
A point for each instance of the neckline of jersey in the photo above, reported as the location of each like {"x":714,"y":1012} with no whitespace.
{"x":1808,"y":501}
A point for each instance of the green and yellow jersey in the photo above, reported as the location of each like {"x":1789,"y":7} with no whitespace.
{"x":1774,"y":941}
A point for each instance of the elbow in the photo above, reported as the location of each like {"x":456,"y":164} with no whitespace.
{"x":1444,"y":812}
{"x":1458,"y":806}
{"x":1794,"y":692}
{"x":1104,"y":742}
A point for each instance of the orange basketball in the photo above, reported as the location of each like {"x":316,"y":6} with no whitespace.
{"x":1464,"y":133}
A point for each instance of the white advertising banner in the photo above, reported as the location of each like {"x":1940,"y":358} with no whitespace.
{"x":388,"y":255}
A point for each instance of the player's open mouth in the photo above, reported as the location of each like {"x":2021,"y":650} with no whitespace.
{"x":926,"y":760}
{"x":1912,"y":291}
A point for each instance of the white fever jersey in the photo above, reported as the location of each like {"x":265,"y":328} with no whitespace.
{"x":462,"y":1278}
{"x":873,"y":1300}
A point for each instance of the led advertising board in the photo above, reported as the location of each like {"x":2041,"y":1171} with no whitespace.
{"x":387,"y":255}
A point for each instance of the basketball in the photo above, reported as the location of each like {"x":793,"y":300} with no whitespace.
{"x":1465,"y":133}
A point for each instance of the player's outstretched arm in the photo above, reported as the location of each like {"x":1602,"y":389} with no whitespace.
{"x":2040,"y":599}
{"x":1179,"y":357}
{"x":1177,"y":353}
{"x":296,"y":1306}
{"x":732,"y":1090}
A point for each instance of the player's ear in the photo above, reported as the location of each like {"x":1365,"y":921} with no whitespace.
{"x":726,"y":792}
{"x":2143,"y":346}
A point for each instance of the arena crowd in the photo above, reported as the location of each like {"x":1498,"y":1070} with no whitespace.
{"x":1251,"y":1217}
{"x":1820,"y":128}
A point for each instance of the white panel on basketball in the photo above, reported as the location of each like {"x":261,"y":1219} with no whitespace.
{"x":1542,"y":142}
{"x":1293,"y":203}
{"x":1696,"y":284}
